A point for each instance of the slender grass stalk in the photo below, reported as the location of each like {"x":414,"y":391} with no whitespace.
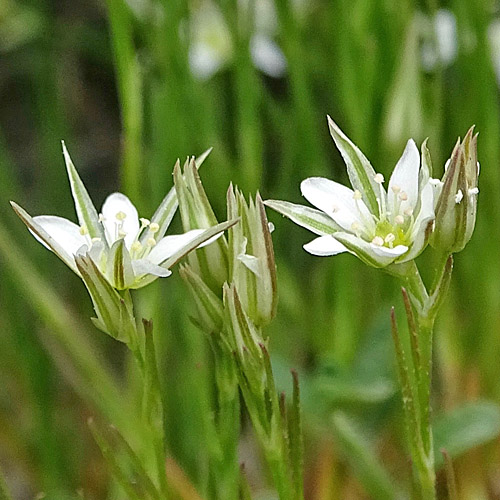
{"x":129,"y":80}
{"x":87,"y":373}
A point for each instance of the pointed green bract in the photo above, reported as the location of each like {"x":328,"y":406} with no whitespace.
{"x":85,"y":209}
{"x":359,"y":169}
{"x":310,"y":218}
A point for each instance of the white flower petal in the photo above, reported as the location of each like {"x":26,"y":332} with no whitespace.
{"x":388,"y":252}
{"x":66,"y":234}
{"x":419,"y":234}
{"x":369,"y":253}
{"x":405,"y":177}
{"x":324,"y":246}
{"x":119,"y":204}
{"x":337,"y":201}
{"x":169,"y":245}
{"x":144,"y":266}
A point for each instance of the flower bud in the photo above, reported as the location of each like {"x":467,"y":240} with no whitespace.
{"x":209,"y":306}
{"x":244,"y":339}
{"x":211,"y":262}
{"x":251,"y":257}
{"x":457,"y":204}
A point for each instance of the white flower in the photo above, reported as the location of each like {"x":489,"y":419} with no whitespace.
{"x":380,"y":227}
{"x":130,"y":252}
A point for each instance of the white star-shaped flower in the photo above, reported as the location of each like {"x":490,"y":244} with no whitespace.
{"x":130,"y":252}
{"x":380,"y":226}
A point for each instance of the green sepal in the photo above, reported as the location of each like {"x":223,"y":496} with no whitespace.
{"x":209,"y":306}
{"x":37,"y":230}
{"x":206,"y":235}
{"x":119,"y":269}
{"x":85,"y":209}
{"x":114,"y":317}
{"x":244,"y":339}
{"x":359,"y":169}
{"x":310,"y":218}
{"x":166,"y":210}
{"x":163,"y":216}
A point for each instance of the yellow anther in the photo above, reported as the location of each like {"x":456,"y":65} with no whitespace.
{"x":145,"y":222}
{"x":151,"y":242}
{"x":121,"y":215}
{"x":84,"y":230}
{"x":379,"y":178}
{"x":136,"y":246}
{"x":357,"y":194}
{"x":121,"y":234}
{"x":154,"y":227}
{"x":96,"y":240}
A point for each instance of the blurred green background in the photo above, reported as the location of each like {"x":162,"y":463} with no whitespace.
{"x":133,"y":85}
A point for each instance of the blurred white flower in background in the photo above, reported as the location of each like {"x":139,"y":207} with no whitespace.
{"x":211,"y":47}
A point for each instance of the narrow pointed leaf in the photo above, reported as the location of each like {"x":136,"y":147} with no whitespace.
{"x":310,"y":218}
{"x":124,"y":464}
{"x":358,"y":452}
{"x":450,"y":476}
{"x":466,"y":427}
{"x":440,"y":290}
{"x":85,"y":209}
{"x":295,"y":440}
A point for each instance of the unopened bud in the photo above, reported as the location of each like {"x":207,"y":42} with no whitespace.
{"x":457,"y":204}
